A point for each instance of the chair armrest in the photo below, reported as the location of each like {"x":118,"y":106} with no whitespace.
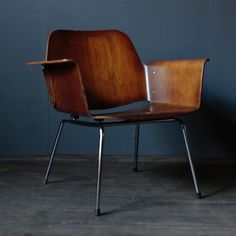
{"x":50,"y":62}
{"x":65,"y":87}
{"x":176,"y":81}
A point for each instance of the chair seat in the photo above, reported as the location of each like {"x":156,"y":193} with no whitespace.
{"x":152,"y":111}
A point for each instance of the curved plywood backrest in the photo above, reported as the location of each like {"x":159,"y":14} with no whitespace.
{"x":111,"y":70}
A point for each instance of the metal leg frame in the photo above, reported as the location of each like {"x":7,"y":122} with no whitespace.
{"x":100,"y":155}
{"x":101,"y":126}
{"x":136,"y":146}
{"x":198,"y":193}
{"x":54,"y":150}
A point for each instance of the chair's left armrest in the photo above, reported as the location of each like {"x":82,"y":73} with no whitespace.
{"x":176,"y":81}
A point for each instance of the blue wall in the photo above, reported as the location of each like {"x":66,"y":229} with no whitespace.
{"x":160,"y":29}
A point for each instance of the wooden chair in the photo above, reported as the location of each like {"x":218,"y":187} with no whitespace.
{"x":89,"y":71}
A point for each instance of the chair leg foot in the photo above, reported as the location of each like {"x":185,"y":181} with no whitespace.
{"x":98,"y":212}
{"x":135,"y":169}
{"x":199,"y":195}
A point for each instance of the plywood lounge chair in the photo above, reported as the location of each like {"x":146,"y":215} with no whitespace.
{"x":90,"y":71}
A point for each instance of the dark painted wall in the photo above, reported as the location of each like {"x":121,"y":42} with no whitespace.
{"x":160,"y":29}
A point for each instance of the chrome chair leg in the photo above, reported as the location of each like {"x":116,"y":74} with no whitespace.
{"x":198,"y":193}
{"x":53,"y":151}
{"x":136,"y":146}
{"x":99,"y":173}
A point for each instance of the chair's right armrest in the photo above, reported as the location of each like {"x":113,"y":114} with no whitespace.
{"x":65,"y":86}
{"x":50,"y":62}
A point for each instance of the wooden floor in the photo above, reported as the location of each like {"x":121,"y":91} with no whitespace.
{"x":157,"y":200}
